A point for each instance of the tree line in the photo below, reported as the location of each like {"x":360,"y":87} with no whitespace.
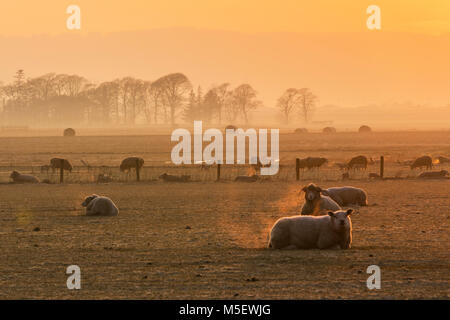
{"x":62,"y":99}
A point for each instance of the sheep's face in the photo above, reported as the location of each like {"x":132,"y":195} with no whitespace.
{"x":312,"y":192}
{"x":88,"y":200}
{"x":14,"y":175}
{"x":340,"y":220}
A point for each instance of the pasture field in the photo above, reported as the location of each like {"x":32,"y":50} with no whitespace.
{"x":206,"y":239}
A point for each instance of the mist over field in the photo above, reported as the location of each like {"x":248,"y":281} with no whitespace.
{"x":391,"y":81}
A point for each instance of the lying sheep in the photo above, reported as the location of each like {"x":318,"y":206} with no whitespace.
{"x":252,"y":178}
{"x":434,"y":175}
{"x":332,"y":231}
{"x":169,"y":178}
{"x":99,"y":206}
{"x":23,"y":178}
{"x":315,"y":203}
{"x":345,"y":196}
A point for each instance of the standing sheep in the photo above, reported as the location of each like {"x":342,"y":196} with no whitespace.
{"x":315,"y":203}
{"x":131,"y":162}
{"x":332,"y":231}
{"x":421,"y":162}
{"x":99,"y":206}
{"x":23,"y":178}
{"x":58,"y":163}
{"x":359,"y":162}
{"x":345,"y":196}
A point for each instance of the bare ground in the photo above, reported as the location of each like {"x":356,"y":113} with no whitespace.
{"x":207,"y":241}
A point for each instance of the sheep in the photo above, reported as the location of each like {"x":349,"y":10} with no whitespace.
{"x":169,"y":178}
{"x":332,"y":231}
{"x":315,"y":203}
{"x":421,"y":162}
{"x":434,"y":175}
{"x":131,"y":162}
{"x":58,"y":163}
{"x":345,"y":196}
{"x":359,"y":162}
{"x":99,"y":206}
{"x":23,"y":178}
{"x":311,"y":162}
{"x":252,"y":178}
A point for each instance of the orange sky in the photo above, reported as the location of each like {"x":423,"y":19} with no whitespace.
{"x":25,"y":17}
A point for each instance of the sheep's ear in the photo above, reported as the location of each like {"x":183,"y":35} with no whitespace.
{"x":319,"y":189}
{"x":304,"y":188}
{"x":331,"y":213}
{"x":349,"y":211}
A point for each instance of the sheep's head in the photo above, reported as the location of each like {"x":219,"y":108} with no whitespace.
{"x":340,"y":220}
{"x":88,"y":200}
{"x":312,"y":192}
{"x":14,"y":174}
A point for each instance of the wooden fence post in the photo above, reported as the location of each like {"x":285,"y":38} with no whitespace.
{"x":138,"y":177}
{"x":218,"y":172}
{"x":382,"y":167}
{"x":297,"y":169}
{"x":61,"y":171}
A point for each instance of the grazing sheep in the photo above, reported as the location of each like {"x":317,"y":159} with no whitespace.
{"x":315,"y":203}
{"x":69,"y":132}
{"x":434,"y":175}
{"x":58,"y":163}
{"x":332,"y":231}
{"x":252,"y":178}
{"x":131,"y":162}
{"x":345,"y":196}
{"x":359,"y":162}
{"x":169,"y":178}
{"x":364,"y":129}
{"x":23,"y":178}
{"x":312,"y":162}
{"x":329,"y":130}
{"x":421,"y":162}
{"x":99,"y":206}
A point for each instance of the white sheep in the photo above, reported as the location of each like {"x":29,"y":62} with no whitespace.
{"x":332,"y":231}
{"x":315,"y":203}
{"x":100,"y":206}
{"x":23,"y":178}
{"x":345,"y":196}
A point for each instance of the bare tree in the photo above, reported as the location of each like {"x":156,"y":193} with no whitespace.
{"x":288,"y":102}
{"x":307,"y":103}
{"x":175,"y":87}
{"x":244,"y":98}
